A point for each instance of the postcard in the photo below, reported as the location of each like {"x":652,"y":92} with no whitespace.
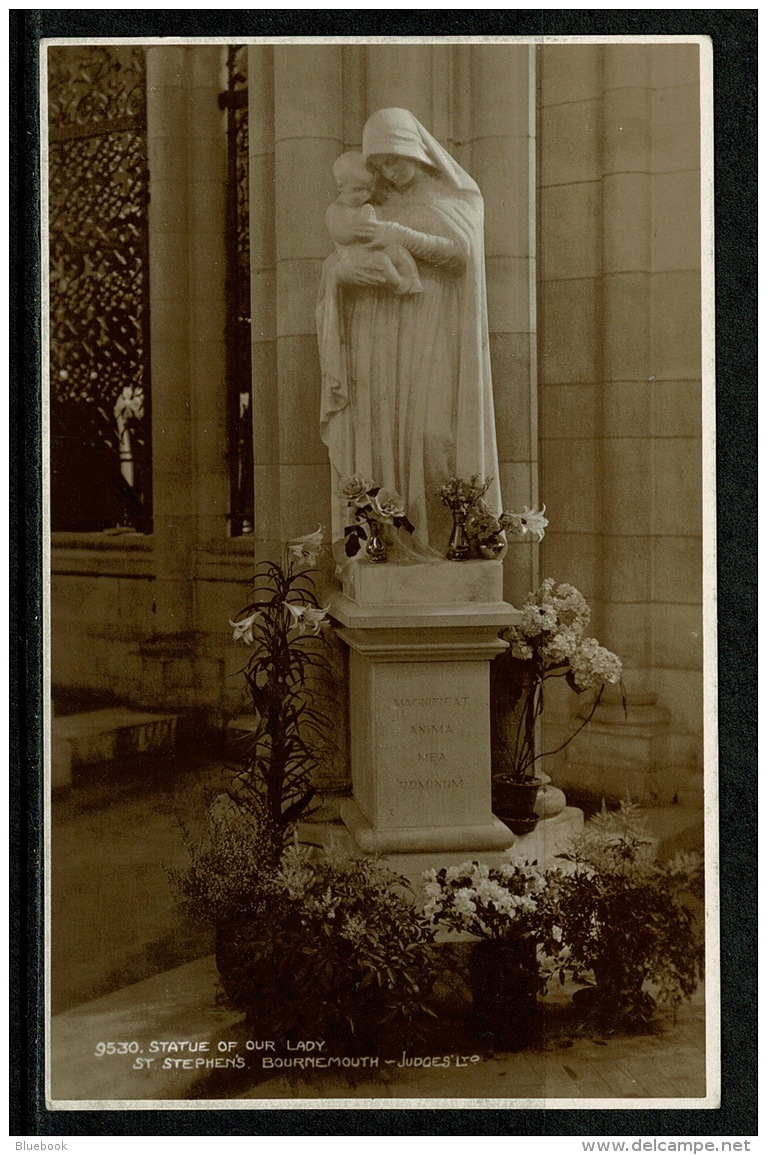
{"x":381,"y":753}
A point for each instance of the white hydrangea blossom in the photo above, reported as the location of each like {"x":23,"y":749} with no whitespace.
{"x":592,"y":665}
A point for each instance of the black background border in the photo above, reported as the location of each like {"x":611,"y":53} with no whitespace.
{"x":734,"y":37}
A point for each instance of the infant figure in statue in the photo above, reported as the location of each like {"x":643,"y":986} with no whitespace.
{"x":346,"y":220}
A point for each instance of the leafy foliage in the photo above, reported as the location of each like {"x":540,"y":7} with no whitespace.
{"x":626,"y":918}
{"x":349,"y":956}
{"x":231,"y":871}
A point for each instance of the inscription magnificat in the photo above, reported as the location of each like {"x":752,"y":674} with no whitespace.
{"x":430,"y":783}
{"x":451,"y":700}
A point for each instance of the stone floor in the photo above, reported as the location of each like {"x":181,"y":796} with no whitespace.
{"x":125,"y":966}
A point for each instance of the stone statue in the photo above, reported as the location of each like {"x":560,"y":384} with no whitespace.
{"x":406,"y":385}
{"x":358,"y":260}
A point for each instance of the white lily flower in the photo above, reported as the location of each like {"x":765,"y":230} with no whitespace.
{"x":534,"y":522}
{"x":308,"y":618}
{"x":243,"y":631}
{"x":306,"y":549}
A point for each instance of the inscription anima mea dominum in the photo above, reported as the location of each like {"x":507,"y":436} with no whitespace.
{"x":432,"y":729}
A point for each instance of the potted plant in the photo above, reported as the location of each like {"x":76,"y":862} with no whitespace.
{"x":477,"y":531}
{"x":503,"y":907}
{"x":231,"y":880}
{"x":346,"y":955}
{"x":548,"y":642}
{"x":627,"y":925}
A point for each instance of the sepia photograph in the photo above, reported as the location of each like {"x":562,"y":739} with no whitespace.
{"x":380,"y":548}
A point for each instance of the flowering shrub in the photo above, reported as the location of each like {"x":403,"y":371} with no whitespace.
{"x":231,"y":872}
{"x":626,"y":920}
{"x":282,"y":625}
{"x":548,"y":642}
{"x":373,"y":508}
{"x":349,"y":958}
{"x":491,"y":902}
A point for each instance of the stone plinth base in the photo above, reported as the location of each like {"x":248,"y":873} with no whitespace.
{"x":493,"y":835}
{"x":415,"y":594}
{"x":420,"y":637}
{"x":550,"y":838}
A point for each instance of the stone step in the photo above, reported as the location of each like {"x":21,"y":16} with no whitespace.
{"x":104,"y":735}
{"x":177,"y":1005}
{"x":676,"y":828}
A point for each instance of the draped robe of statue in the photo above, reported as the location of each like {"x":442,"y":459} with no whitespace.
{"x":406,"y":384}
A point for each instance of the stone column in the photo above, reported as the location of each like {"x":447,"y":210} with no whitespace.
{"x":265,"y":390}
{"x":308,"y":136}
{"x":621,"y":328}
{"x":400,"y":76}
{"x":207,"y":276}
{"x":169,"y":289}
{"x":186,"y":144}
{"x":499,"y":127}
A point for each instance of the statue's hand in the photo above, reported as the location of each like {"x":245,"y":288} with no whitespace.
{"x":357,"y":275}
{"x":378,"y":234}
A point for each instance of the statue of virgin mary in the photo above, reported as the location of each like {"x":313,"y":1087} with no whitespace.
{"x":406,"y":386}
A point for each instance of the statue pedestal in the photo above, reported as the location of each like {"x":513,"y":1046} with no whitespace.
{"x":420,"y":637}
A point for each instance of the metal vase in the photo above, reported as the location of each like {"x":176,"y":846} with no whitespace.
{"x":458,"y":548}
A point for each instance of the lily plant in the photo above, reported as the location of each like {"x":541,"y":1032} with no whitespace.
{"x":283,"y":625}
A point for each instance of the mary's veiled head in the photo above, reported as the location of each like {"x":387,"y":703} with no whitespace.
{"x":395,"y":132}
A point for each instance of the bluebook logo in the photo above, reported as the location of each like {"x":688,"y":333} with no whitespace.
{"x":23,"y":1146}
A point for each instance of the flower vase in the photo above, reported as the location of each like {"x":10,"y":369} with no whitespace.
{"x":376,"y":546}
{"x":504,"y":986}
{"x":491,"y":548}
{"x":458,"y":548}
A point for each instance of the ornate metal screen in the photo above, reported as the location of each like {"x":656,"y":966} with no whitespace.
{"x":235,"y":101}
{"x":99,"y":320}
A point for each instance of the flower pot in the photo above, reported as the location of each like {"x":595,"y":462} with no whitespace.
{"x":504,"y":986}
{"x":239,"y":957}
{"x":514,"y":803}
{"x":617,"y":1001}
